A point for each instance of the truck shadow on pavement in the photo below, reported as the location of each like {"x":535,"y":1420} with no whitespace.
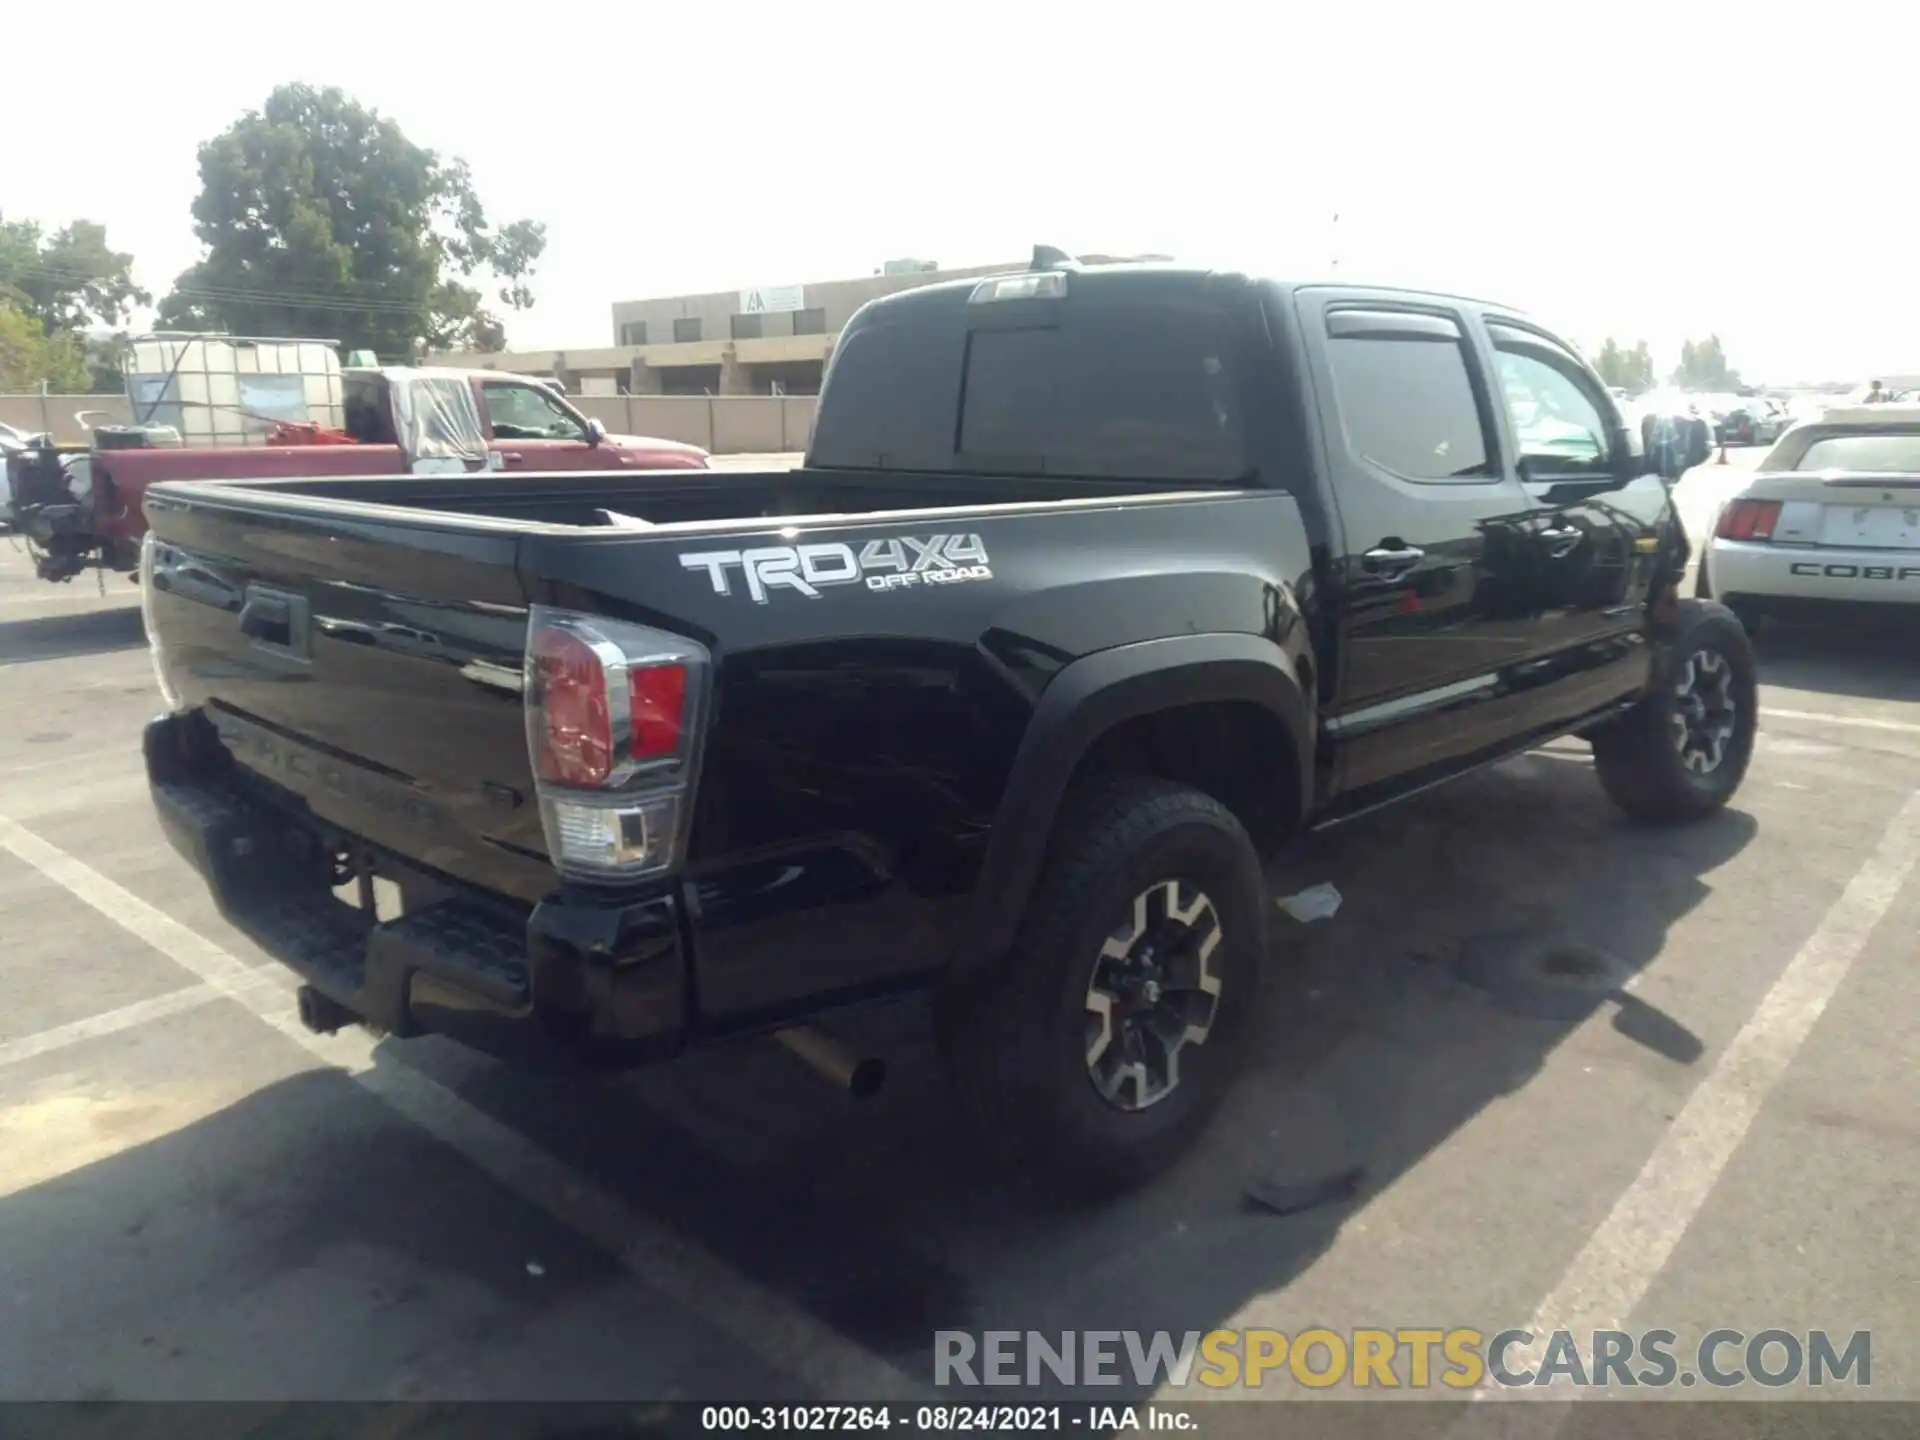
{"x":1873,"y":659}
{"x":60,"y":637}
{"x":1479,"y":926}
{"x":301,"y":1243}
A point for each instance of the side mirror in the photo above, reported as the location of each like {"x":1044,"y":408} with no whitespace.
{"x":1628,"y":459}
{"x":596,"y":431}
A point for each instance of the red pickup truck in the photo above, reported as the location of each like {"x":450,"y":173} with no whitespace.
{"x":84,"y":507}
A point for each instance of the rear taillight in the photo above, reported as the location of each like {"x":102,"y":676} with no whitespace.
{"x":613,"y":725}
{"x":1748,"y":520}
{"x":574,"y":742}
{"x":656,"y":701}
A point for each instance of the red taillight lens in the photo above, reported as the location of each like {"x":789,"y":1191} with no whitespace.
{"x":580,"y":740}
{"x":1748,"y":520}
{"x":576,"y":743}
{"x":658,"y":694}
{"x":614,"y":715}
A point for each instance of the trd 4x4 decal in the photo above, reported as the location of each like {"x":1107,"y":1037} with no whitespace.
{"x":895,"y":564}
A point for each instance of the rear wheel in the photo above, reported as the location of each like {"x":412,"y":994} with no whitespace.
{"x":1682,"y":751}
{"x":1101,"y":1051}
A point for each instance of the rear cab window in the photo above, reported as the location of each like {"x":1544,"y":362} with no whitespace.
{"x":1107,"y":382}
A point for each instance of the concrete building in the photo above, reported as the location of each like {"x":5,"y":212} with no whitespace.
{"x":764,"y":340}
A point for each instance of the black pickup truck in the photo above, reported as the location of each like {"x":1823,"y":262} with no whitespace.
{"x":1096,"y":583}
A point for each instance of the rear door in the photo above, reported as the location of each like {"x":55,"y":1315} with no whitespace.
{"x":1440,"y":606}
{"x":531,"y":429}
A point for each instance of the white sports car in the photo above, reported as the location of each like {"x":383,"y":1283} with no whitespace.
{"x":1830,"y":519}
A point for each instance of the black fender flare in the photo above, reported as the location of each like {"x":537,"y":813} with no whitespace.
{"x":1084,"y":701}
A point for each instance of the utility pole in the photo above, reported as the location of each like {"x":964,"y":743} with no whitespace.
{"x":1336,"y":240}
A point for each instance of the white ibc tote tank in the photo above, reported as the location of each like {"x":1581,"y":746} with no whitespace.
{"x":229,"y":389}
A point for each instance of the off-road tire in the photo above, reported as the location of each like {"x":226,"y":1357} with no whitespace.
{"x":1639,"y":762}
{"x":1015,"y":1043}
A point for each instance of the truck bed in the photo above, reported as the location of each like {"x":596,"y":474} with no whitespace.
{"x":663,"y":497}
{"x":352,"y":653}
{"x":307,"y":607}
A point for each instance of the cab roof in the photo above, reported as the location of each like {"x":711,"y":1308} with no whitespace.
{"x":1166,"y":278}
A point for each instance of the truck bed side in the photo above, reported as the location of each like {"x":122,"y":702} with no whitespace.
{"x":875,"y":681}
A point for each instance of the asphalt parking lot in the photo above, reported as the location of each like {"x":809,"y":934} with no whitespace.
{"x":1593,"y":1075}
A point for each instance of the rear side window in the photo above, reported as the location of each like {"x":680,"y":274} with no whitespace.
{"x":1408,"y":406}
{"x":1888,"y":454}
{"x":1124,"y":391}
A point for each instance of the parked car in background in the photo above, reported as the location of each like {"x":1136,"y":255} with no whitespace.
{"x":82,"y":506}
{"x":1694,"y":432}
{"x":1831,"y":519}
{"x":1755,"y":420}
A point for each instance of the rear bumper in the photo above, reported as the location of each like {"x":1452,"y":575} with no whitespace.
{"x":569,"y":983}
{"x":1756,"y":573}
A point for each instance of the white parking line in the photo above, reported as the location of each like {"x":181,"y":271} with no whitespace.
{"x":71,"y":597}
{"x":1612,"y":1272}
{"x":760,"y":1320}
{"x":141,"y":1012}
{"x":1863,"y":722}
{"x":96,"y":791}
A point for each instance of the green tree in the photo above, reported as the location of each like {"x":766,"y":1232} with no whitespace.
{"x":321,"y":218}
{"x":1629,"y":370}
{"x":70,"y":280}
{"x":1703,"y":366}
{"x":30,"y":358}
{"x":64,"y":284}
{"x":1611,"y":362}
{"x":1639,"y":368}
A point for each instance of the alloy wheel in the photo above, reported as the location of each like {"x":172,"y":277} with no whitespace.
{"x":1154,"y":992}
{"x":1705,"y":714}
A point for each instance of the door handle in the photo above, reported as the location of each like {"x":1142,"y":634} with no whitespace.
{"x":511,"y":457}
{"x":1561,"y":540}
{"x":1389,"y":558}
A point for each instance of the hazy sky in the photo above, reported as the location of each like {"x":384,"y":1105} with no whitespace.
{"x":1645,"y":170}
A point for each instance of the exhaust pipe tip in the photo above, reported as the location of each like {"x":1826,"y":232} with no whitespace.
{"x":834,"y":1061}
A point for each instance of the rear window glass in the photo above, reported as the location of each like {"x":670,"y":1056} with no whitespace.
{"x":1891,"y":454}
{"x":893,"y":399}
{"x":1125,"y":391}
{"x":1408,"y":406}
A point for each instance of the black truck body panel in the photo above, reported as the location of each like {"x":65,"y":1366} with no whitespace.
{"x":913,"y":650}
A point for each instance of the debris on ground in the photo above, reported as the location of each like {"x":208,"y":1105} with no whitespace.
{"x":1316,"y":902}
{"x":1284,"y":1198}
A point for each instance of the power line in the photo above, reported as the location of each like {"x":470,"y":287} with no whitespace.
{"x":264,"y":295}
